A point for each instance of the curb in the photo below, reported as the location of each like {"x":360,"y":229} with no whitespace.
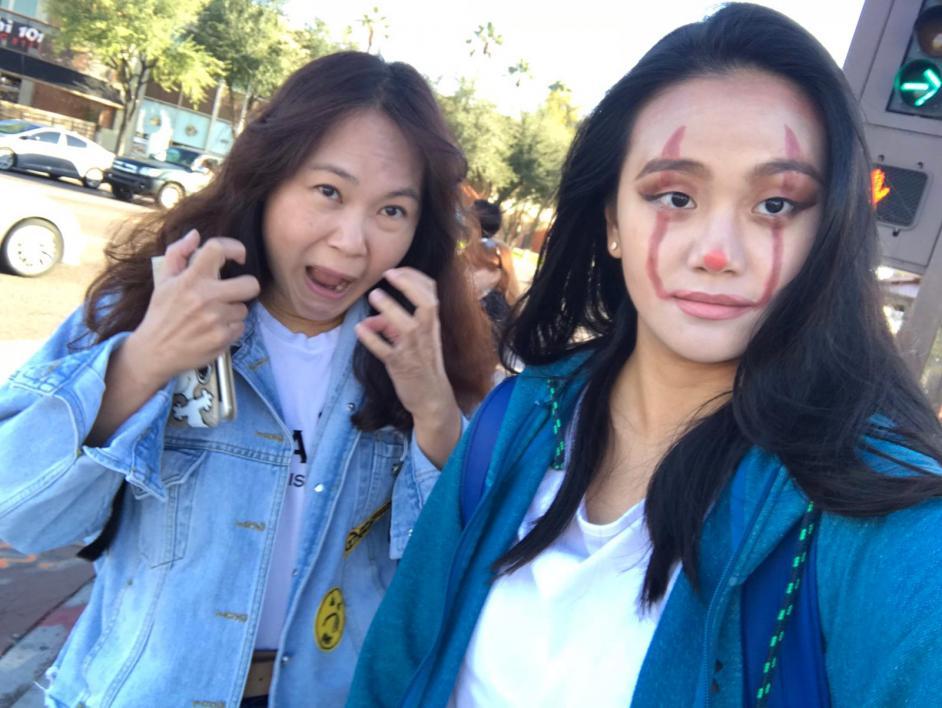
{"x":24,"y":664}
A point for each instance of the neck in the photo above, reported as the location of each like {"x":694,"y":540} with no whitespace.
{"x":296,"y":323}
{"x":658,"y":394}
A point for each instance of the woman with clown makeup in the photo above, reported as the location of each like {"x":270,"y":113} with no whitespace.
{"x":710,"y":386}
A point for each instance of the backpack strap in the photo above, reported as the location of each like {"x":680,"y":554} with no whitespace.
{"x":799,"y":677}
{"x":482,"y":435}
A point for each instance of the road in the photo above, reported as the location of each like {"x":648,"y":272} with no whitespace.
{"x":33,"y":307}
{"x":34,"y":614}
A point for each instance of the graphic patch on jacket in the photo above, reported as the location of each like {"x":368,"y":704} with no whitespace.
{"x":330,"y":620}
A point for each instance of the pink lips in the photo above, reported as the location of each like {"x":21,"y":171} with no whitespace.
{"x":327,"y":283}
{"x":707,"y":306}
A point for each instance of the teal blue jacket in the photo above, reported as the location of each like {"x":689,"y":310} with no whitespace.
{"x":879,"y":581}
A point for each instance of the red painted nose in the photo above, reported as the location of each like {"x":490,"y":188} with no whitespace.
{"x":715,"y":260}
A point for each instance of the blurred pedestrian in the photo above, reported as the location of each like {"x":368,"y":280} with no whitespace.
{"x":492,"y":267}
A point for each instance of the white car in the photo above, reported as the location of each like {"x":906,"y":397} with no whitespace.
{"x":36,"y":232}
{"x":55,"y":151}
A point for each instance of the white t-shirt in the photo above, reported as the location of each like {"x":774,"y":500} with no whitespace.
{"x":567,"y":629}
{"x":301,"y":365}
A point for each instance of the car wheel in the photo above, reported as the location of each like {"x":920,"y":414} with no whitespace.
{"x":31,"y":247}
{"x":7,"y":159}
{"x":121,"y":192}
{"x":170,"y":195}
{"x":93,"y":178}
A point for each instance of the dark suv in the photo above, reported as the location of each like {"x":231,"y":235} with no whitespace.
{"x":167,"y":178}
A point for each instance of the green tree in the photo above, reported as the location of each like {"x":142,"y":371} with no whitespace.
{"x":315,"y":40}
{"x":538,"y":149}
{"x":376,"y":25}
{"x":254,"y":46}
{"x":484,"y":134}
{"x":485,"y":39}
{"x":519,"y":71}
{"x":139,"y":41}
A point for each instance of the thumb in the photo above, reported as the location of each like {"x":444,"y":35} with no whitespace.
{"x":178,"y":254}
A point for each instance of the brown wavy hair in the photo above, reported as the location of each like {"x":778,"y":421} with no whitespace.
{"x":270,"y":150}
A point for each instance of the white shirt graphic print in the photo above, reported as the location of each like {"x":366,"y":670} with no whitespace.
{"x":301,"y":367}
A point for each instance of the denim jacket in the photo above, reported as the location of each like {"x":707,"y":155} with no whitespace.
{"x":174,"y":609}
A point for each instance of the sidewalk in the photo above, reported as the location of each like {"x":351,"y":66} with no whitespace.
{"x":24,"y":664}
{"x":41,"y":597}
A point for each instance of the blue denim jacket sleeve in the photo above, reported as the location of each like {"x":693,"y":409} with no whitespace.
{"x":410,"y":492}
{"x":54,"y":489}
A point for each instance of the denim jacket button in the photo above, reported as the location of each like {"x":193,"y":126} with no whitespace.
{"x":285,"y":659}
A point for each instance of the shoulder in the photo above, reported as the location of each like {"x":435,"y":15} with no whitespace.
{"x":878,"y":586}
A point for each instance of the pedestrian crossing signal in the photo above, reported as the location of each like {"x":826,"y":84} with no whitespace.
{"x":896,"y":194}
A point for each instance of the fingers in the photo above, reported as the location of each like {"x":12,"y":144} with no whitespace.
{"x":394,"y":314}
{"x":367,"y":332}
{"x":178,"y":254}
{"x":242,"y":288}
{"x":212,"y":255}
{"x":415,"y":285}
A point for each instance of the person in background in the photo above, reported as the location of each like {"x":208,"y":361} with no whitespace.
{"x":492,"y":267}
{"x":241,"y":563}
{"x":711,"y":392}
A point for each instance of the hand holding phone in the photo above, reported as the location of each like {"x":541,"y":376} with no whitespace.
{"x":202,"y":397}
{"x":191,"y":321}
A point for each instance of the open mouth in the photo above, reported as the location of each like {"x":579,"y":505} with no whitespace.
{"x":326,"y":282}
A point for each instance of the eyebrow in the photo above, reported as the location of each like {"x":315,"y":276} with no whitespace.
{"x":766,"y":169}
{"x":774,"y":167}
{"x":668,"y":165}
{"x":343,"y":174}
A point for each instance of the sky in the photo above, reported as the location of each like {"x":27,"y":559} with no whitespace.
{"x":588,"y":44}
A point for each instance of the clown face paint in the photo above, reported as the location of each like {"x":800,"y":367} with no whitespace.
{"x":717,"y":206}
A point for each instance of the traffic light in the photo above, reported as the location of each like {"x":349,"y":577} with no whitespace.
{"x":918,"y":83}
{"x":894,"y":67}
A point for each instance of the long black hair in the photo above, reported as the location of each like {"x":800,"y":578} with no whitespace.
{"x":270,"y":150}
{"x":820,"y":372}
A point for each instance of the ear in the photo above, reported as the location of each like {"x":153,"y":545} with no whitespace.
{"x":612,"y":237}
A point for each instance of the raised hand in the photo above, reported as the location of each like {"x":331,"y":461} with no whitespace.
{"x":193,"y":315}
{"x":410,"y":346}
{"x":191,"y":318}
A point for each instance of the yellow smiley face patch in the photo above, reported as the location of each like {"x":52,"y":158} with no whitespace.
{"x":330,"y":620}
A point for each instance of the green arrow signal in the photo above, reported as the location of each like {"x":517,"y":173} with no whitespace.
{"x":919,"y":82}
{"x":933,"y":79}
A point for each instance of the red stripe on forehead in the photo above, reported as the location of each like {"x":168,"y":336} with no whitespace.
{"x":671,"y":149}
{"x":792,"y":152}
{"x":792,"y":146}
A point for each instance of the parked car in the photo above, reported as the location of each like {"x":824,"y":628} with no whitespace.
{"x":167,"y":177}
{"x":57,"y":152}
{"x":36,"y":232}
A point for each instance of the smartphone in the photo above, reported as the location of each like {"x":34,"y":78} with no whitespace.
{"x":204,"y":397}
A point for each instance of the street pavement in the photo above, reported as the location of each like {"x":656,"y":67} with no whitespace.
{"x":41,"y":596}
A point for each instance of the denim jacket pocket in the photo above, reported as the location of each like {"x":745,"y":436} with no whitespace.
{"x":163,"y":526}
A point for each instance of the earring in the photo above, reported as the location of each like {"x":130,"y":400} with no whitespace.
{"x":613,"y":246}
